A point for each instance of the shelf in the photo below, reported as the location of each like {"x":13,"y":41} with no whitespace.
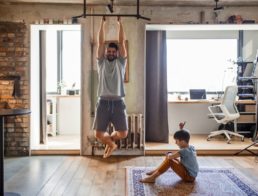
{"x":247,"y":113}
{"x":246,"y":122}
{"x":244,"y":132}
{"x":246,"y":86}
{"x":243,"y":62}
{"x":246,"y":95}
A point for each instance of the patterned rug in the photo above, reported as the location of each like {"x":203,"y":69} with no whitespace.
{"x":210,"y":181}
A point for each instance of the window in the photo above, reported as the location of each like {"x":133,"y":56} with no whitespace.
{"x":63,"y":59}
{"x":200,"y":64}
{"x":71,"y":58}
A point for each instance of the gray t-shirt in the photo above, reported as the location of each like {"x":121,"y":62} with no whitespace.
{"x":189,"y":160}
{"x":111,"y":77}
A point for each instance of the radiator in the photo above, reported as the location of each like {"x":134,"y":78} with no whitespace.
{"x":135,"y":137}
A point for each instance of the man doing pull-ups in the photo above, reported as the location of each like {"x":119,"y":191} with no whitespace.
{"x":110,"y":108}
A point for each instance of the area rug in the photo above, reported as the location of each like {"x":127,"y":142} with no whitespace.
{"x":210,"y":181}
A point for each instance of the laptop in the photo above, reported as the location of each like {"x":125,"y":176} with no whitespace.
{"x":197,"y":94}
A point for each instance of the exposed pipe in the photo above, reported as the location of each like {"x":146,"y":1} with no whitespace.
{"x":84,"y":8}
{"x":138,"y":9}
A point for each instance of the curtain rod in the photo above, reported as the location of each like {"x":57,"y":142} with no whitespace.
{"x":137,"y":15}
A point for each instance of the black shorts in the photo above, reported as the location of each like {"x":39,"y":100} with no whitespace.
{"x":113,"y":111}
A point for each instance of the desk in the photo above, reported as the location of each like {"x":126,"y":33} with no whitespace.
{"x":4,"y":113}
{"x":195,"y":112}
{"x":211,"y":101}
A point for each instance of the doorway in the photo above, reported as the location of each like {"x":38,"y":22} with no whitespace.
{"x":55,"y":87}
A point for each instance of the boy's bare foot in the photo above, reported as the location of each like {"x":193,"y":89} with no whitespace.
{"x":110,"y":150}
{"x":149,"y":179}
{"x":150,"y":172}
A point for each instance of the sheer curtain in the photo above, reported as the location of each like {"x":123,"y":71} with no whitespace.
{"x":156,"y":87}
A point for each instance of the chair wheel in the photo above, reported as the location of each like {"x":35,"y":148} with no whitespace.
{"x":229,"y":142}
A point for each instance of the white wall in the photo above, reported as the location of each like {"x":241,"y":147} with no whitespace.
{"x":195,"y":116}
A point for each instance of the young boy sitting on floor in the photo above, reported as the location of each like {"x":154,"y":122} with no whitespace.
{"x":187,"y":168}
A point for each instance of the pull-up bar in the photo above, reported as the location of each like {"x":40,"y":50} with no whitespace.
{"x":137,"y":15}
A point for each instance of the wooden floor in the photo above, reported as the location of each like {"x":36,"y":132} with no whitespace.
{"x":60,"y":142}
{"x":217,"y":146}
{"x":58,"y":145}
{"x":94,"y":176}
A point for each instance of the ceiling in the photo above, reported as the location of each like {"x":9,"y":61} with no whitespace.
{"x":146,"y":2}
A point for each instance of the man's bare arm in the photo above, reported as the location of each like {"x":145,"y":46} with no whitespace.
{"x":101,"y":40}
{"x":121,"y":40}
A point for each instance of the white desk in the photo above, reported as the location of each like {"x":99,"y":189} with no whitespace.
{"x":211,"y":101}
{"x":194,"y":112}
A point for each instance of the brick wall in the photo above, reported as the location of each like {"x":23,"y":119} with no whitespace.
{"x":14,"y":64}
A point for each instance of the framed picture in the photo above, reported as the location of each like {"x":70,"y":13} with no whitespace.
{"x":126,"y":79}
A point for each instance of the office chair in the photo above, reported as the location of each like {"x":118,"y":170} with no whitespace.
{"x":226,"y":112}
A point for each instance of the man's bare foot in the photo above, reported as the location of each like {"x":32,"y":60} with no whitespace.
{"x":110,"y":150}
{"x":149,"y":179}
{"x":150,"y":172}
{"x":105,"y":151}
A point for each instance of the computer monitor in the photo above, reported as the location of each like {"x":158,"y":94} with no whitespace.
{"x":197,"y":94}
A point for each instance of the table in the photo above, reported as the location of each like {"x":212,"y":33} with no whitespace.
{"x":209,"y":101}
{"x":195,"y":113}
{"x":3,"y":114}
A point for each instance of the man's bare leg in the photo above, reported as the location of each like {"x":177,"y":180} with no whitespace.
{"x":106,"y":134}
{"x":110,"y":149}
{"x":105,"y":139}
{"x":116,"y":135}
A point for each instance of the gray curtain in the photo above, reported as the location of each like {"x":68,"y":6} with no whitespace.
{"x":156,"y":87}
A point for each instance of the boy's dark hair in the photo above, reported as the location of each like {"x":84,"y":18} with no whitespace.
{"x":182,"y":135}
{"x":113,"y":45}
